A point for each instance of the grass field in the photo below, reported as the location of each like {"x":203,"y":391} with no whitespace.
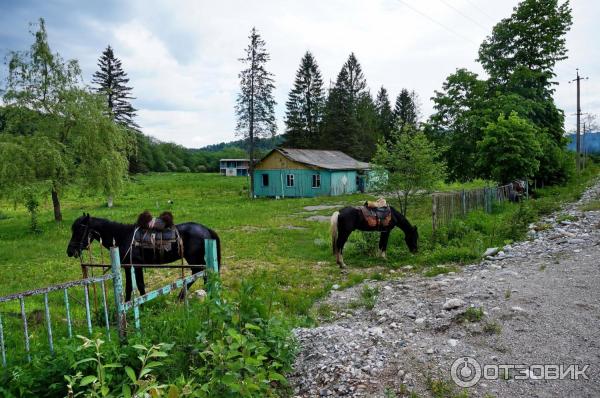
{"x":272,"y":236}
{"x":266,"y":238}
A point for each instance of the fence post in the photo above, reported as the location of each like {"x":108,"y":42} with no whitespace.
{"x":115,"y":264}
{"x":211,"y":260}
{"x":464,"y":202}
{"x":433,"y":211}
{"x":136,"y":309}
{"x":485,"y":199}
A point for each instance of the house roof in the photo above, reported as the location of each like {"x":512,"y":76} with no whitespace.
{"x":332,"y":160}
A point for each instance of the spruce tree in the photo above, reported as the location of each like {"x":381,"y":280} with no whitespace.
{"x":343,"y":128}
{"x":255,"y":103}
{"x":356,"y":83}
{"x":405,"y":110}
{"x":368,"y":130}
{"x":340,"y":129}
{"x":385,"y":115}
{"x":112,"y":82}
{"x":305,"y":106}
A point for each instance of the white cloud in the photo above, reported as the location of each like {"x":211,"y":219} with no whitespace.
{"x":182,"y":56}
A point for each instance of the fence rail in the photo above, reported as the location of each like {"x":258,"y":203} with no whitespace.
{"x":121,"y":305}
{"x":449,"y":205}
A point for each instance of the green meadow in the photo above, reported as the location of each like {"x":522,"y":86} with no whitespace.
{"x":266,"y":236}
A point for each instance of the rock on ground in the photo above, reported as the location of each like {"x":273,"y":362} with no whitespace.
{"x":540,"y":302}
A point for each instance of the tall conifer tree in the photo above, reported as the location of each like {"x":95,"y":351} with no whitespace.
{"x":305,"y":106}
{"x":342,"y":129}
{"x":112,"y":82}
{"x":385,"y":115}
{"x":255,"y":107}
{"x":405,"y":110}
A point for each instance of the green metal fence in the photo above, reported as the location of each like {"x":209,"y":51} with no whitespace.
{"x":121,"y":306}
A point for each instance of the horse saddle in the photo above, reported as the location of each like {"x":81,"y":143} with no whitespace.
{"x":377,"y":214}
{"x":161,"y":238}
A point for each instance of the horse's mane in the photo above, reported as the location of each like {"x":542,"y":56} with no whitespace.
{"x":403,"y":223}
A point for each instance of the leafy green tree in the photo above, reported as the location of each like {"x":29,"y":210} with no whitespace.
{"x":458,"y":121}
{"x":255,"y":107}
{"x":533,"y":37}
{"x":70,"y":136}
{"x":305,"y":106}
{"x":385,"y":115}
{"x":406,"y":109}
{"x":408,"y":164}
{"x":509,"y":149}
{"x":112,"y":83}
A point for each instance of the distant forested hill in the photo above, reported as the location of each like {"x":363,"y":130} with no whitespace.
{"x":154,"y":155}
{"x":591,"y":142}
{"x":262,"y":144}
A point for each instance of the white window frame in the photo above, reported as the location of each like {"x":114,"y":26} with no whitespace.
{"x":289,"y":178}
{"x":316,"y":178}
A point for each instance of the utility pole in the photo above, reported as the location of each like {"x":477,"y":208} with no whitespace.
{"x":578,"y":137}
{"x":583,"y":147}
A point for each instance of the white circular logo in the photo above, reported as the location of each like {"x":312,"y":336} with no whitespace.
{"x":465,"y":372}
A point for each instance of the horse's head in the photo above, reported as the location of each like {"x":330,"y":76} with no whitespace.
{"x":80,"y":236}
{"x":412,"y":239}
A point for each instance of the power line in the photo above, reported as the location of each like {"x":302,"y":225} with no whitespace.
{"x":475,"y":6}
{"x":424,"y":15}
{"x":465,"y":15}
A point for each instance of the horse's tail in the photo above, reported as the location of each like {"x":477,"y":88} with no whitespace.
{"x":215,"y":236}
{"x":334,"y":231}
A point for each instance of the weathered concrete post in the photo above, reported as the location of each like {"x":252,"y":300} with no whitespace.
{"x":115,"y":264}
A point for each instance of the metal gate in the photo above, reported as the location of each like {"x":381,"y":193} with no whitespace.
{"x":121,"y":306}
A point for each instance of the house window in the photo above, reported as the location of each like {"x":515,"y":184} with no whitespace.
{"x":265,"y":180}
{"x":316,"y":181}
{"x":290,"y":180}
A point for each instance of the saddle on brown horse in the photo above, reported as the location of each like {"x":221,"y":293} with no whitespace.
{"x":156,"y":233}
{"x":377,"y":214}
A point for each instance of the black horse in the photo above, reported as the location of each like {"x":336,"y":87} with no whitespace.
{"x":348,"y":219}
{"x":87,"y":229}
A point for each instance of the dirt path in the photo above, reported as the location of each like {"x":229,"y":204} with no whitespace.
{"x":540,"y":303}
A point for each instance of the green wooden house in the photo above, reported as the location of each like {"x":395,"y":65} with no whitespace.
{"x":287,"y":172}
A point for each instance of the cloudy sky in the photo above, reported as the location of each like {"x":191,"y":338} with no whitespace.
{"x":182,"y":56}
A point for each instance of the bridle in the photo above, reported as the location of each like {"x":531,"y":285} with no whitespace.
{"x":87,"y":234}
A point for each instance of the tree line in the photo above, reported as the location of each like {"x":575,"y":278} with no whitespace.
{"x":503,"y":127}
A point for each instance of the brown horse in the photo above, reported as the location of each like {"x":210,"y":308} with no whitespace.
{"x":348,"y":219}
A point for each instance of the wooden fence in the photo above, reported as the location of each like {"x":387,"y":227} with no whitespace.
{"x":121,"y":306}
{"x":449,"y":205}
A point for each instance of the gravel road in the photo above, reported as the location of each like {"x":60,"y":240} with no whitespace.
{"x":532,"y":303}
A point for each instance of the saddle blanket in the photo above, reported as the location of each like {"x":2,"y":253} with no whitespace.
{"x":161,"y":239}
{"x":377,"y":217}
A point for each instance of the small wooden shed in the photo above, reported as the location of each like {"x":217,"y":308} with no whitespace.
{"x":286,"y":172}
